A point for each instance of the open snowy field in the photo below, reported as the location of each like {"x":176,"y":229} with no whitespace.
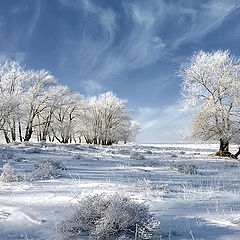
{"x":193,"y":194}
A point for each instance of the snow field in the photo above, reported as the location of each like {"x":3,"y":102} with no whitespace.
{"x":201,"y":205}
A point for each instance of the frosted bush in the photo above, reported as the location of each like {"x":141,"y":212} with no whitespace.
{"x":149,"y":152}
{"x":124,"y":151}
{"x":4,"y":215}
{"x":108,"y":217}
{"x":81,"y":157}
{"x":187,"y":169}
{"x":55,"y":164}
{"x":137,"y":156}
{"x":144,"y":185}
{"x":164,"y":188}
{"x":9,"y":174}
{"x":47,"y":169}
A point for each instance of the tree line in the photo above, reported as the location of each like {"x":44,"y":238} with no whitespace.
{"x":34,"y":105}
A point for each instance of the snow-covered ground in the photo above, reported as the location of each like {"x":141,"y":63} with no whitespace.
{"x":193,"y":194}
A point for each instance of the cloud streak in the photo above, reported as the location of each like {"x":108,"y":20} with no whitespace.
{"x":14,"y":45}
{"x":111,"y":54}
{"x":35,"y":17}
{"x":162,"y":125}
{"x":204,"y":19}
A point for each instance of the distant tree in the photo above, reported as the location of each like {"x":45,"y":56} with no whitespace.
{"x":66,"y":115}
{"x":84,"y":126}
{"x":52,"y":102}
{"x":35,"y":102}
{"x":110,"y":118}
{"x":12,"y":77}
{"x":129,"y":133}
{"x":32,"y":104}
{"x":210,"y":88}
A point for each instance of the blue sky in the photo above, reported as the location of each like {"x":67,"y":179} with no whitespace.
{"x":133,"y":48}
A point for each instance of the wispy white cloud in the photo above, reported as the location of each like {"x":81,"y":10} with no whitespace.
{"x":98,"y":58}
{"x":33,"y":22}
{"x":105,"y":53}
{"x":92,"y":87}
{"x":13,"y":48}
{"x":162,"y":125}
{"x":203,"y":19}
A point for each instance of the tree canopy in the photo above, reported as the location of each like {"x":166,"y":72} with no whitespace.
{"x":210,"y":89}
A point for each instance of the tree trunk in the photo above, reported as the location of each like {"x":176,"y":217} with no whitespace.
{"x":237,"y":154}
{"x":224,"y":145}
{"x":20,"y":131}
{"x":223,"y":149}
{"x":6,"y":136}
{"x":29,"y":131}
{"x":13,"y":131}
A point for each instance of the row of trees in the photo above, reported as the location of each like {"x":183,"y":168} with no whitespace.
{"x":211,"y":89}
{"x":32,"y":104}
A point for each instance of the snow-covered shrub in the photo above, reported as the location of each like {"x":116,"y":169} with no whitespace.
{"x":4,"y":215}
{"x":81,"y":157}
{"x":9,"y":174}
{"x":56,"y":164}
{"x":108,"y":217}
{"x":124,"y":151}
{"x":144,"y":185}
{"x":108,"y":151}
{"x":164,"y":188}
{"x":149,"y":152}
{"x":47,"y":169}
{"x":187,"y":169}
{"x":137,"y":156}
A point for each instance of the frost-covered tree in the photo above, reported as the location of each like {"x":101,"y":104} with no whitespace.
{"x":12,"y":77}
{"x":84,"y":127}
{"x":32,"y":103}
{"x":66,"y":115}
{"x":109,"y":117}
{"x":130,"y":132}
{"x":210,"y":88}
{"x":52,"y":102}
{"x":37,"y":83}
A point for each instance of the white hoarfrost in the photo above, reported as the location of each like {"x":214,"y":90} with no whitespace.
{"x":210,"y":88}
{"x":9,"y":174}
{"x":102,"y":216}
{"x":33,"y":106}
